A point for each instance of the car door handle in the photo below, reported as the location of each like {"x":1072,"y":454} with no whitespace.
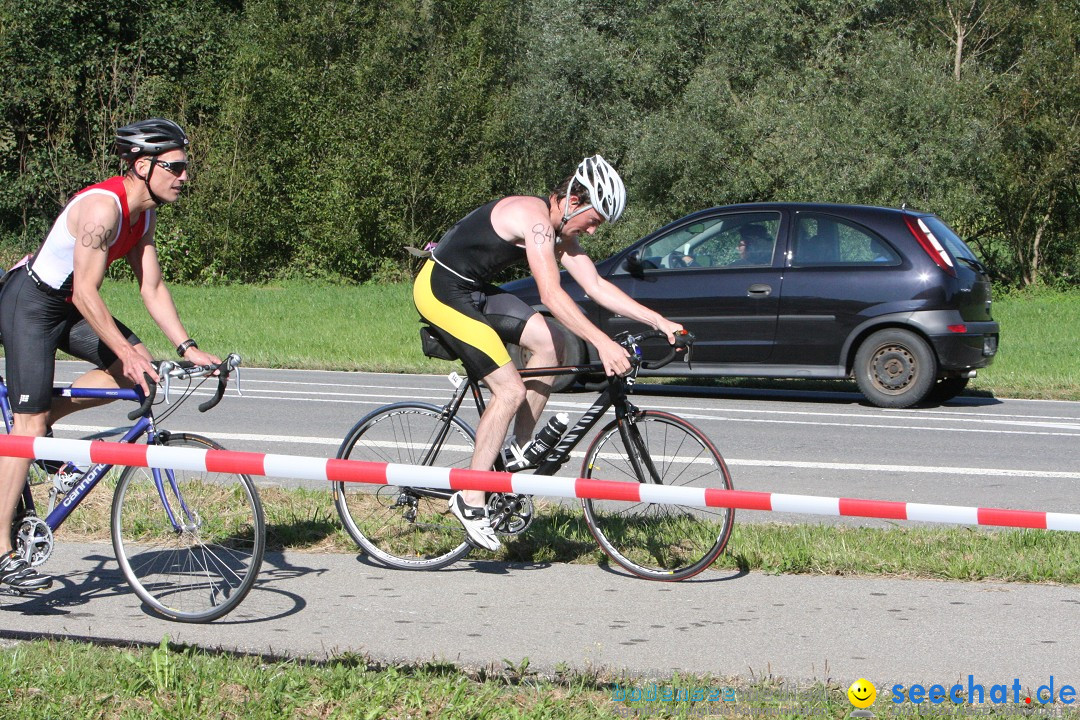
{"x":759,"y":289}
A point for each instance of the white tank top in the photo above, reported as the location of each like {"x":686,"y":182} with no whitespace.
{"x":54,"y":262}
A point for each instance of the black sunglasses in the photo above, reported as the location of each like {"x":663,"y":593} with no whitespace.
{"x":175,"y":167}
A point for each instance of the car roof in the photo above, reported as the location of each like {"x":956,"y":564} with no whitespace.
{"x":812,"y":206}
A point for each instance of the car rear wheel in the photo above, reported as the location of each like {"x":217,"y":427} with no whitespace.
{"x":895,"y":368}
{"x":573,"y":354}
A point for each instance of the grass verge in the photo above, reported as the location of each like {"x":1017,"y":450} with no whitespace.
{"x":305,"y":521}
{"x":46,"y":679}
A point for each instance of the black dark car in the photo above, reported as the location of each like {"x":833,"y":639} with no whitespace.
{"x":890,"y":296}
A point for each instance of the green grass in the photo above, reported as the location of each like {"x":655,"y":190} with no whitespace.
{"x":62,"y":680}
{"x":298,"y":324}
{"x":43,"y":680}
{"x":1040,"y":334}
{"x":303,"y":520}
{"x":302,"y":324}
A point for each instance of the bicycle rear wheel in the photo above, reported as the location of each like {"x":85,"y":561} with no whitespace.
{"x":402,"y":527}
{"x":202,"y":567}
{"x":658,"y":541}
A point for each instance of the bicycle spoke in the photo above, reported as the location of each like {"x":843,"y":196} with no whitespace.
{"x":401,"y":527}
{"x":205,"y":569}
{"x":658,"y":540}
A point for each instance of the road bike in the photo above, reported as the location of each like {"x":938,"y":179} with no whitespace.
{"x":412,"y":528}
{"x":189,"y":543}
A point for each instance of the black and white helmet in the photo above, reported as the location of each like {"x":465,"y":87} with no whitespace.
{"x":149,"y":137}
{"x":605,"y":188}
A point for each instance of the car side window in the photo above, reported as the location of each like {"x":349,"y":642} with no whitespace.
{"x":673,"y":250}
{"x":739,"y":239}
{"x":822,"y":240}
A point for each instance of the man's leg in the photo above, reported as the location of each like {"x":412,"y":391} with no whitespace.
{"x":546,"y":349}
{"x":15,"y":573}
{"x":13,"y":474}
{"x":507,"y":395}
{"x":470,"y":506}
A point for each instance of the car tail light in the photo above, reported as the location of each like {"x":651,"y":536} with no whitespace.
{"x":958,"y":328}
{"x":930,"y":244}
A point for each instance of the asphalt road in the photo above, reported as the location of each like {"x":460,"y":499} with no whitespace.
{"x":480,"y":614}
{"x":973,"y":451}
{"x":1010,"y":453}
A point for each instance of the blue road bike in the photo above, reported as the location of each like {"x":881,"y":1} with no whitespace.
{"x":189,"y":543}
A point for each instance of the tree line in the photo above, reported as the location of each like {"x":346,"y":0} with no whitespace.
{"x":329,"y":134}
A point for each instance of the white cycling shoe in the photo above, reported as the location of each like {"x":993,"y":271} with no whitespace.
{"x":476,"y":523}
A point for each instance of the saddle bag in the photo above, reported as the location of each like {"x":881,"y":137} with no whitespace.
{"x":433,"y":345}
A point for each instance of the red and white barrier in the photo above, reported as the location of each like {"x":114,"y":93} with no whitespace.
{"x":84,"y":452}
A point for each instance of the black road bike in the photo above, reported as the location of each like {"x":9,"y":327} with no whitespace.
{"x":412,"y":528}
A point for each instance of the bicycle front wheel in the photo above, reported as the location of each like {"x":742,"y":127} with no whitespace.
{"x":192,"y":551}
{"x":657,"y":541}
{"x":405,"y":528}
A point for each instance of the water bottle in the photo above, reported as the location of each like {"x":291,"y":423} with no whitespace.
{"x":546,"y":438}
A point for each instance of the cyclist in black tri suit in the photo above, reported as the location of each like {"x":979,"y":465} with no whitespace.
{"x":52,"y":301}
{"x":453,"y":292}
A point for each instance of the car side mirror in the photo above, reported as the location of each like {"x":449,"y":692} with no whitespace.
{"x":634,"y":265}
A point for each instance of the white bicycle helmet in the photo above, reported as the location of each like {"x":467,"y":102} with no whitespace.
{"x":604,"y":186}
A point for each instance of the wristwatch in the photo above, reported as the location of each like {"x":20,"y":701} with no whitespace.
{"x":184,"y":346}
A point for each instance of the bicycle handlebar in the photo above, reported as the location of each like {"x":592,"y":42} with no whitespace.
{"x":684,"y":341}
{"x":227,"y":366}
{"x":168,"y":370}
{"x":148,"y":400}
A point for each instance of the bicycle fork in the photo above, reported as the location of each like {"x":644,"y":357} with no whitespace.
{"x":191,"y":520}
{"x":640,"y":459}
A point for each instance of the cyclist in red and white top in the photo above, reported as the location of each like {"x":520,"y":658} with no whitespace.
{"x":52,"y":300}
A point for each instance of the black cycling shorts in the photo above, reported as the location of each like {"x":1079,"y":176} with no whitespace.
{"x":34,"y":325}
{"x":477,"y":322}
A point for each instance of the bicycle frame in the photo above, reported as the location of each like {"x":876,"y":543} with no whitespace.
{"x":613,"y":395}
{"x":90,"y":478}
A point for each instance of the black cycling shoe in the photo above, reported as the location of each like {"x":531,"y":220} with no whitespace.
{"x":17,"y":576}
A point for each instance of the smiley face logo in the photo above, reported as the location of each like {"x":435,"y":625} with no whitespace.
{"x":862,"y":693}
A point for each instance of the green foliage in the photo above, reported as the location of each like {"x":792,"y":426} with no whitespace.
{"x":74,"y":71}
{"x":328,"y":135}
